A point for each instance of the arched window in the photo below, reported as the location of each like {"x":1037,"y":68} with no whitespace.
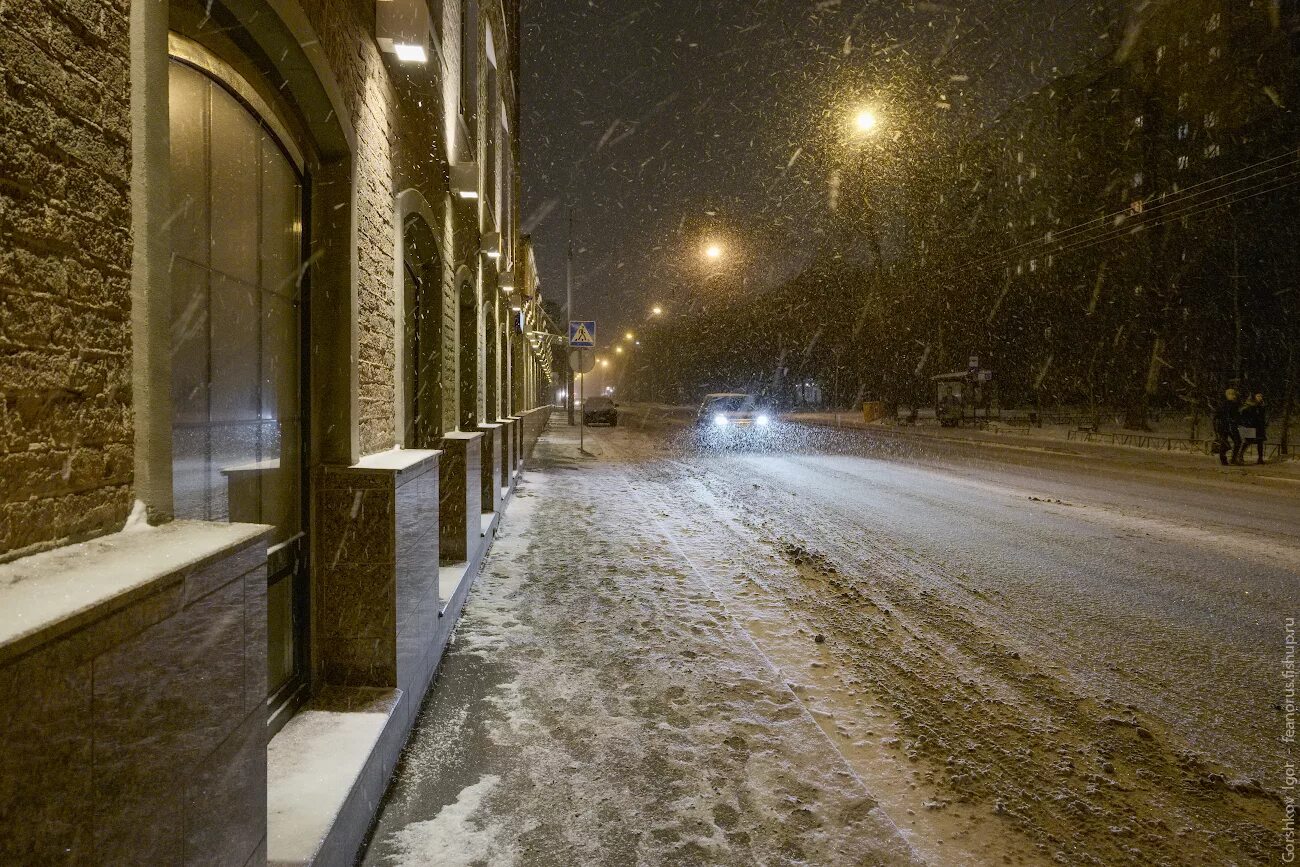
{"x":237,"y":288}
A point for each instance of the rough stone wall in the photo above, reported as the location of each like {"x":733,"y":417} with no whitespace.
{"x":65,"y":257}
{"x":420,"y":157}
{"x":346,"y":33}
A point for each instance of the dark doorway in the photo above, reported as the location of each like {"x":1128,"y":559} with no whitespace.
{"x":492,"y":357}
{"x":422,"y":329}
{"x":468,"y":355}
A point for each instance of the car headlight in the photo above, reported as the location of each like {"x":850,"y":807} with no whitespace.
{"x":720,"y":420}
{"x":763,"y":420}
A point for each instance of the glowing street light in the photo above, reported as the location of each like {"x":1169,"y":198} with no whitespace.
{"x":714,"y":252}
{"x":866,"y":121}
{"x":629,"y":336}
{"x":656,"y":310}
{"x":618,"y":350}
{"x":604,"y":362}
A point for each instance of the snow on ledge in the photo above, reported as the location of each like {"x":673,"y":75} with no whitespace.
{"x":313,"y":764}
{"x":396,"y":460}
{"x":51,"y":593}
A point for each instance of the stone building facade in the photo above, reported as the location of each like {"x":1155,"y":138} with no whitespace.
{"x":272,"y":354}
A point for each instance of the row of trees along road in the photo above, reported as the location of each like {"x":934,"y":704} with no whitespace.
{"x":1123,"y":239}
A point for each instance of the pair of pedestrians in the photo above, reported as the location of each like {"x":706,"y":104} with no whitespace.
{"x":1238,"y":425}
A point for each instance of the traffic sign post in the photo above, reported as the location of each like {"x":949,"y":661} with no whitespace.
{"x":581,"y":361}
{"x":582,"y":337}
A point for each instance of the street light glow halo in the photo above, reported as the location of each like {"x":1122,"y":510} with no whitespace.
{"x":866,"y":120}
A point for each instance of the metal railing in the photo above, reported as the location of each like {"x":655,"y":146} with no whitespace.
{"x":1171,"y":444}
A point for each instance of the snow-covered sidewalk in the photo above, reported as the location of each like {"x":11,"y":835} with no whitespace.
{"x":599,"y":705}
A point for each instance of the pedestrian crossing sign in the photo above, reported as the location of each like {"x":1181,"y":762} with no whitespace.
{"x":582,"y":335}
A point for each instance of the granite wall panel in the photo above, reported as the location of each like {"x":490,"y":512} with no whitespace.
{"x":460,"y":497}
{"x":417,"y":580}
{"x":508,"y":452}
{"x":45,"y":762}
{"x":225,"y":800}
{"x":153,"y":724}
{"x":490,"y":468}
{"x":110,"y":728}
{"x":379,"y":571}
{"x":255,"y":639}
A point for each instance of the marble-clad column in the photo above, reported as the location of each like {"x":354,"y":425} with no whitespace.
{"x":460,"y":496}
{"x":491,"y":467}
{"x":377,"y":557}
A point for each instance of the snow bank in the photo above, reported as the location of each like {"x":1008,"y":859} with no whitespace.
{"x":459,"y":836}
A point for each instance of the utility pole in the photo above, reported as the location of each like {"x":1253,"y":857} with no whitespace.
{"x":1236,"y":309}
{"x":1288,"y":400}
{"x":568,"y":315}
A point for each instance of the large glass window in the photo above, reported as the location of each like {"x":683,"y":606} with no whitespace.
{"x":237,"y":434}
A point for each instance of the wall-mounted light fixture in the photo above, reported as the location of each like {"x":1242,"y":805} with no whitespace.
{"x":491,"y":245}
{"x":464,"y":179}
{"x":402,"y":29}
{"x":506,"y":282}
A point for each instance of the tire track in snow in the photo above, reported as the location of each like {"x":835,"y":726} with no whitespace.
{"x":702,"y":576}
{"x":1226,"y":819}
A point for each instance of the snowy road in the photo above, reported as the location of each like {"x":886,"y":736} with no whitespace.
{"x":856,"y":648}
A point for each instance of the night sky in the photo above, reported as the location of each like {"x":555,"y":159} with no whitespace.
{"x":676,"y":122}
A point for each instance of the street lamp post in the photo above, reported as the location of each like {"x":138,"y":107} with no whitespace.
{"x":866,"y":124}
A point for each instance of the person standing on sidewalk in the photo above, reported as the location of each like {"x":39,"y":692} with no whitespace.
{"x":1254,"y":422}
{"x":1226,"y":420}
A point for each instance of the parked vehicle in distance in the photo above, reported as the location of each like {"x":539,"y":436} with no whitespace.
{"x":600,"y":410}
{"x":733,"y":411}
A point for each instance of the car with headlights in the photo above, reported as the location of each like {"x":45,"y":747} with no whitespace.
{"x":734,"y":412}
{"x":600,"y":410}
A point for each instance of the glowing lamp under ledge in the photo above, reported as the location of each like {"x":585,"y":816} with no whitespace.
{"x":402,"y":29}
{"x":408,"y":53}
{"x":491,"y":245}
{"x":507,"y":283}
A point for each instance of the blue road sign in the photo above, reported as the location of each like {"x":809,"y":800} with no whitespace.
{"x":582,"y":335}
